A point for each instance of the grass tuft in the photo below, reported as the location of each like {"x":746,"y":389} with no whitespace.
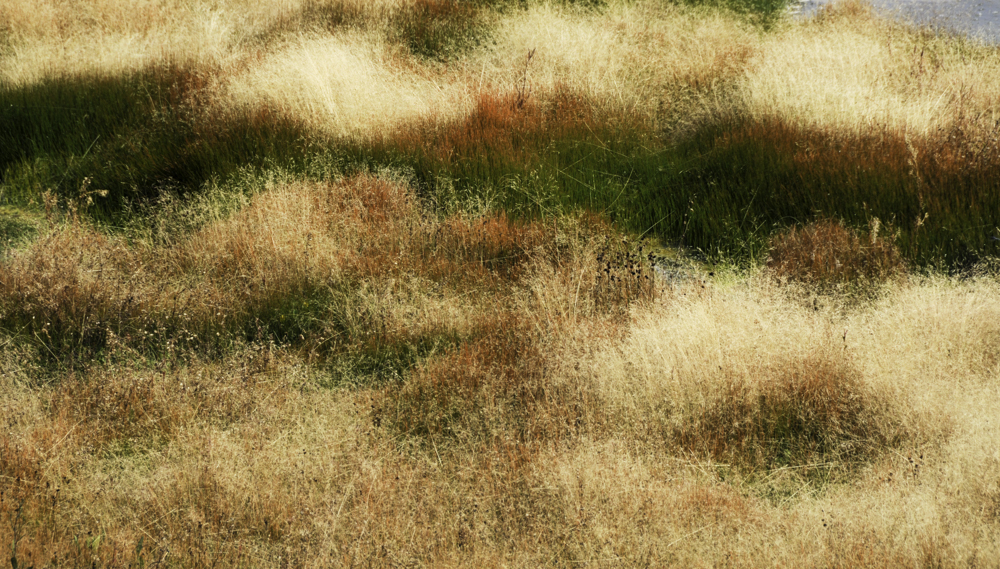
{"x":440,"y":29}
{"x":816,"y":411}
{"x":825,"y":252}
{"x":494,"y":386}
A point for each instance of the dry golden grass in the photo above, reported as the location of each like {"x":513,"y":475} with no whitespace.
{"x":610,"y":453}
{"x":54,"y":38}
{"x":639,"y":58}
{"x":328,"y":82}
{"x":636,"y":57}
{"x":709,"y":367}
{"x":332,"y":374}
{"x":852,"y":72}
{"x":845,"y":70}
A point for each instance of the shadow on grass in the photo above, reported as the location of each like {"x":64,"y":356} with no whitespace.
{"x":130,"y":135}
{"x":722,"y":189}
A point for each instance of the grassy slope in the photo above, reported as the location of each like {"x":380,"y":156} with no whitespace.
{"x":253,"y":315}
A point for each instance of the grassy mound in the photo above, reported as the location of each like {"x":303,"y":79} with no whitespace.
{"x":815,"y":411}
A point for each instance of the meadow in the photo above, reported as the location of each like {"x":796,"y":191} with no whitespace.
{"x":516,"y":283}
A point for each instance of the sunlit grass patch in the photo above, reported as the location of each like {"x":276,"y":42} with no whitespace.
{"x":635,"y":58}
{"x":853,"y":71}
{"x":327,"y":83}
{"x":51,"y":39}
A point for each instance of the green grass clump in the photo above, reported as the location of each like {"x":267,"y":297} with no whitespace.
{"x":440,"y":29}
{"x":723,"y":188}
{"x":17,"y":226}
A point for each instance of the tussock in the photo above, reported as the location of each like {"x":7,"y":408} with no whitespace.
{"x":328,"y":83}
{"x":827,"y":252}
{"x":724,"y":376}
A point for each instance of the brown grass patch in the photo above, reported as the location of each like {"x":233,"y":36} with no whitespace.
{"x":70,"y":290}
{"x":501,"y":129}
{"x":496,"y":386}
{"x":814,"y":411}
{"x":825,"y":252}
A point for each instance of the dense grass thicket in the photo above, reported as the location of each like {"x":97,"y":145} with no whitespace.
{"x":323,"y":283}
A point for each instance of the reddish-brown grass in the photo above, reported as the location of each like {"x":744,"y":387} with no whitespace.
{"x":495,"y":386}
{"x":501,"y":129}
{"x":818,"y":410}
{"x":827,"y":252}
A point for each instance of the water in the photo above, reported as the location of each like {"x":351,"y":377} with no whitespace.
{"x":977,"y":18}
